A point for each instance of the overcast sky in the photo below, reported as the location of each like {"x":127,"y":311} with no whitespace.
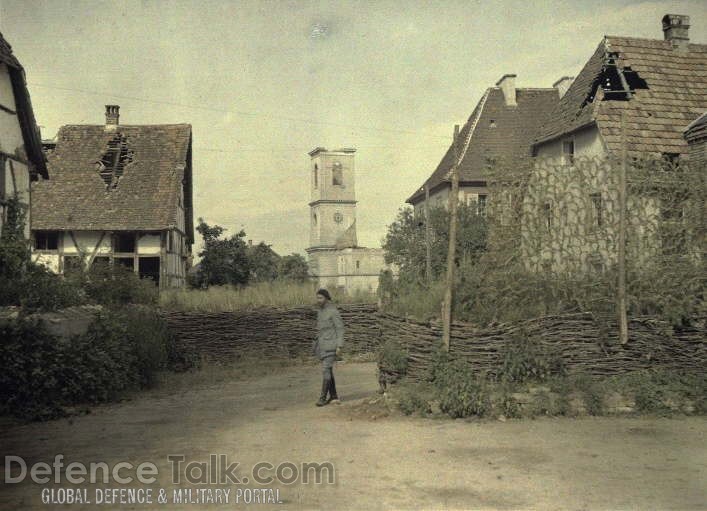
{"x":262,"y":83}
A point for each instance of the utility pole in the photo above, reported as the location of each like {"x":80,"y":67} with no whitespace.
{"x":451,"y":252}
{"x":621,"y":298}
{"x":428,"y":236}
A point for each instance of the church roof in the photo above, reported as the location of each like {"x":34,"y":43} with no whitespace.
{"x":503,"y":133}
{"x":142,"y":193}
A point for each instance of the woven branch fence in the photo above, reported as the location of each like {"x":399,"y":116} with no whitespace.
{"x":268,"y":331}
{"x":582,"y":344}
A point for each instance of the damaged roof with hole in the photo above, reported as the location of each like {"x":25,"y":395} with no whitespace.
{"x":127,"y":178}
{"x":504,"y":133}
{"x":668,"y":90}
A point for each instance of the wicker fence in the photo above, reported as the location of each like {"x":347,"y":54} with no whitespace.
{"x":581,"y":343}
{"x":268,"y":331}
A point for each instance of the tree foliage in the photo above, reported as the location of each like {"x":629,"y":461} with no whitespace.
{"x":405,"y":246}
{"x":231,"y":261}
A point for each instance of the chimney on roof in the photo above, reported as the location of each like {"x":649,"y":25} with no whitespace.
{"x":112,"y":116}
{"x":507,"y":83}
{"x":676,"y":29}
{"x":563,"y":84}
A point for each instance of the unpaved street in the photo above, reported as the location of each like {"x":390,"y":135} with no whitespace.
{"x":383,"y":463}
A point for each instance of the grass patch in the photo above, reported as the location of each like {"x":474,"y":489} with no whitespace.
{"x":264,"y":294}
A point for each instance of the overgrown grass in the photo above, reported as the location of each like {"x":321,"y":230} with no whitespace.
{"x":278,"y":293}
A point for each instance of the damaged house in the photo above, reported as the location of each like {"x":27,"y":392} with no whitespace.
{"x":658,"y":87}
{"x":503,"y":126}
{"x":122,"y":195}
{"x":21,"y":157}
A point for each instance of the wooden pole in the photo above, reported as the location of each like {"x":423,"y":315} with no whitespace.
{"x":428,"y":236}
{"x":451,"y":252}
{"x":621,"y":291}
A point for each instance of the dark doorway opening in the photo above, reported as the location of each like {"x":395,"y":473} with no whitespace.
{"x":149,"y":268}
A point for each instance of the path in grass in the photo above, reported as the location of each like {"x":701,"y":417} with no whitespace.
{"x":388,"y":463}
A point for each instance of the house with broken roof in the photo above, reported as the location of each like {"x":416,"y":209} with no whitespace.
{"x":122,"y":194}
{"x":21,"y":157}
{"x":633,"y":99}
{"x":501,"y":129}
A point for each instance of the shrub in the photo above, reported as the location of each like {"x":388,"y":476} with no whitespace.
{"x":415,"y":398}
{"x":461,"y":393}
{"x":114,"y":285}
{"x":42,"y":375}
{"x":526,"y":360}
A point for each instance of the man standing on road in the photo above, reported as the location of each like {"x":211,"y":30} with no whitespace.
{"x":330,"y":339}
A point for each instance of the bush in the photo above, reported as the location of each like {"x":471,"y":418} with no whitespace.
{"x":526,"y":360}
{"x":115,"y":285}
{"x":415,"y":398}
{"x":461,"y":393}
{"x":42,"y":376}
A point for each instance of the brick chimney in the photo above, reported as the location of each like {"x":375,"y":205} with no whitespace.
{"x":563,"y":84}
{"x":507,"y":83}
{"x":676,"y":29}
{"x":112,"y":116}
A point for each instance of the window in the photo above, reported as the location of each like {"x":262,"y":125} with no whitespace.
{"x":314,"y":218}
{"x":568,"y":151}
{"x":124,"y":242}
{"x":358,"y":265}
{"x":149,"y":268}
{"x":481,"y":205}
{"x":597,"y":220}
{"x":316,"y":176}
{"x":127,"y":262}
{"x":337,"y":171}
{"x":46,"y":240}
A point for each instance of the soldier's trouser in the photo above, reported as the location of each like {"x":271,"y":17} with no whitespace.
{"x":328,"y":382}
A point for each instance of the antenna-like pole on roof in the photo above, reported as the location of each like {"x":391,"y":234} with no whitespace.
{"x":451,"y":252}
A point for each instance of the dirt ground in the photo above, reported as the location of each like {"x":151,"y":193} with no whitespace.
{"x":390,"y":462}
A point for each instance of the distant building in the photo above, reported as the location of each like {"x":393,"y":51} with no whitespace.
{"x":335,"y":259}
{"x":503,"y":127}
{"x":21,"y":157}
{"x":122,"y":195}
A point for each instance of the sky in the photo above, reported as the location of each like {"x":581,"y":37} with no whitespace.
{"x":262,"y":83}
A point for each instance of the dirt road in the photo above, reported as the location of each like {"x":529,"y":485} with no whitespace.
{"x":388,"y":463}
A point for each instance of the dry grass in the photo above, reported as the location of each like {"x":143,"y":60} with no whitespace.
{"x":229,"y":298}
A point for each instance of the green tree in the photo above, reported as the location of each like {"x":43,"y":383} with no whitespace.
{"x":293,"y":267}
{"x":263,"y":262}
{"x":404,"y":243}
{"x":224,"y":260}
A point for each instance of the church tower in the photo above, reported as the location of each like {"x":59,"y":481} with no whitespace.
{"x":332,"y":216}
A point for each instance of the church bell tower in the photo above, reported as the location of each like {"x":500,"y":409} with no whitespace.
{"x":332,"y":215}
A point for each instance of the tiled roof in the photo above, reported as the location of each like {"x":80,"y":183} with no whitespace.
{"x":675,"y":94}
{"x":25,"y":113}
{"x":145,"y":197}
{"x":508,"y":138}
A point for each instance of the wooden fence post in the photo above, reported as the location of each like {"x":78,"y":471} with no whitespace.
{"x":451,"y":252}
{"x":621,"y":291}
